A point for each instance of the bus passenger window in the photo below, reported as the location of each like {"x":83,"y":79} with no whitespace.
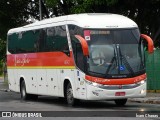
{"x":12,"y":42}
{"x":61,"y":40}
{"x":50,"y":42}
{"x":25,"y":42}
{"x":41,"y":41}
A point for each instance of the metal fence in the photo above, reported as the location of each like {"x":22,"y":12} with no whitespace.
{"x":153,"y":70}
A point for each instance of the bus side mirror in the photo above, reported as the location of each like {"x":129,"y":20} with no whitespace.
{"x":149,"y":41}
{"x":83,"y":44}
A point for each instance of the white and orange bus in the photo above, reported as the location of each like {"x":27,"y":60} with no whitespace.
{"x":78,"y":57}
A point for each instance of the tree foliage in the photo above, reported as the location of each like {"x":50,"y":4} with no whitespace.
{"x":145,"y":13}
{"x":14,"y":13}
{"x":65,"y":7}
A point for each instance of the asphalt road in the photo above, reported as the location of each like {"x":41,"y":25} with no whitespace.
{"x":10,"y":101}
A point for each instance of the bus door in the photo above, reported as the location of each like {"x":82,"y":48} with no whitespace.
{"x":80,"y":84}
{"x":79,"y":75}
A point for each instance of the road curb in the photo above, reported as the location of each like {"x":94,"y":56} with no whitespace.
{"x":146,"y":100}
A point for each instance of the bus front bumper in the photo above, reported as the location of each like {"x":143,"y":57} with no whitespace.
{"x":96,"y":93}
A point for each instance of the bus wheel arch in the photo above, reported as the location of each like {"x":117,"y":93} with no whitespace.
{"x":20,"y":83}
{"x":68,"y":93}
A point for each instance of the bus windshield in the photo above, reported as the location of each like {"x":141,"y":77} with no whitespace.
{"x":115,"y":53}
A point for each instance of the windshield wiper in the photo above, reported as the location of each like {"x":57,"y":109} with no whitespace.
{"x":124,"y":60}
{"x":140,"y":54}
{"x":112,"y":61}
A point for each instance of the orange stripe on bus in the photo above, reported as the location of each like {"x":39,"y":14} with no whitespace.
{"x":41,"y":67}
{"x":122,"y":81}
{"x":40,"y":59}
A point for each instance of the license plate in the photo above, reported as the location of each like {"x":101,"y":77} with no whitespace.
{"x":120,"y":93}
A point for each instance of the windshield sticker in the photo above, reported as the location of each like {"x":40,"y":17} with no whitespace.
{"x":87,"y":35}
{"x":100,"y":32}
{"x":121,"y":68}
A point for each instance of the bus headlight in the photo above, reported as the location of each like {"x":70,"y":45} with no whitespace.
{"x":93,"y":83}
{"x":141,"y":82}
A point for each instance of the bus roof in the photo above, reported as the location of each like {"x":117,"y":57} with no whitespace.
{"x":87,"y":20}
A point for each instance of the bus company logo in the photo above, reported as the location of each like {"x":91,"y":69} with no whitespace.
{"x":22,"y":115}
{"x":6,"y":114}
{"x":20,"y":61}
{"x":101,"y":80}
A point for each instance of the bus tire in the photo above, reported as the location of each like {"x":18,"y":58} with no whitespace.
{"x":71,"y":101}
{"x":24,"y":95}
{"x":120,"y":102}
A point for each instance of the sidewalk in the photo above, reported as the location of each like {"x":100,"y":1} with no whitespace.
{"x":151,"y":98}
{"x":3,"y":85}
{"x":1,"y":79}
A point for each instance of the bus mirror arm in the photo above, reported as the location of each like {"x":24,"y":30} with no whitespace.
{"x":150,"y":43}
{"x":83,"y":44}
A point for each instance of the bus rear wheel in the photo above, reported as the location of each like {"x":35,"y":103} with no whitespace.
{"x":24,"y":95}
{"x":120,"y":102}
{"x":69,"y":95}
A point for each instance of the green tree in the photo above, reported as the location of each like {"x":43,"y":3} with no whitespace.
{"x":65,"y":7}
{"x":145,"y":13}
{"x":14,"y":13}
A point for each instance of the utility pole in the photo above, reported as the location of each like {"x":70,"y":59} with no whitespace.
{"x":40,"y":9}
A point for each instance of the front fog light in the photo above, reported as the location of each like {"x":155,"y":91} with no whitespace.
{"x":142,"y":91}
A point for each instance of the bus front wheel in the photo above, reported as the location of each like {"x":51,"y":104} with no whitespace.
{"x":120,"y":102}
{"x":69,"y":95}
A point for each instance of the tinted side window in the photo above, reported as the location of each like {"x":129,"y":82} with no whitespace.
{"x":25,"y":42}
{"x":41,"y":40}
{"x":12,"y":42}
{"x":75,"y":30}
{"x":50,"y":42}
{"x":76,"y":46}
{"x":57,"y":39}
